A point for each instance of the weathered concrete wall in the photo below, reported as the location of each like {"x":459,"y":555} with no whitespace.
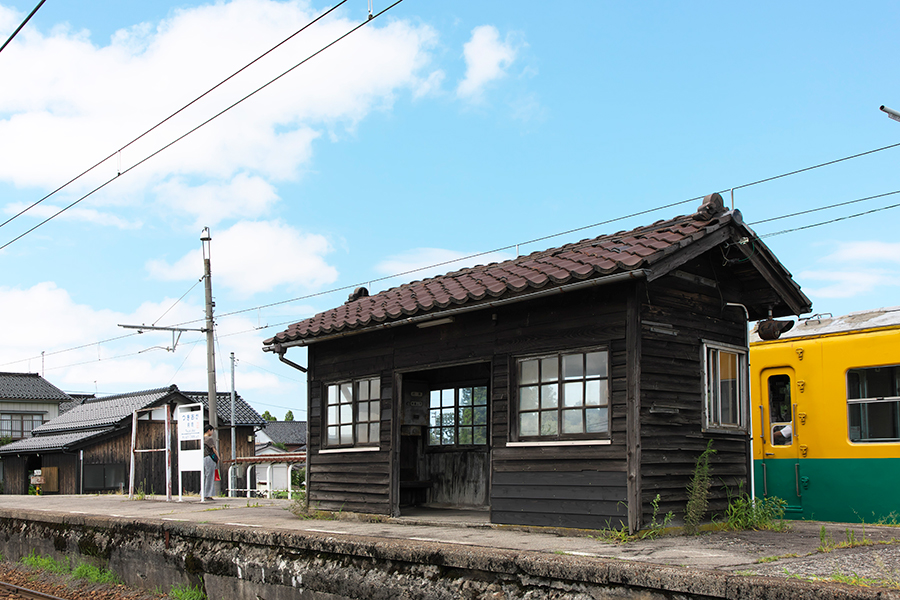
{"x":237,"y":563}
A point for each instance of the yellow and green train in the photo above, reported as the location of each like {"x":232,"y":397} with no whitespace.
{"x":826,"y":417}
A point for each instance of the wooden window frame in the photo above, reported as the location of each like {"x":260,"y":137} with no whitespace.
{"x":712,"y":420}
{"x":560,"y":381}
{"x":349,"y":418}
{"x":457,"y":409}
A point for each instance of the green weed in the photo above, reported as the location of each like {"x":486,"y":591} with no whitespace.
{"x":768,"y":559}
{"x":698,"y":492}
{"x":745,"y":512}
{"x":656,"y":529}
{"x":187,"y":592}
{"x":46,"y":563}
{"x":95,"y":574}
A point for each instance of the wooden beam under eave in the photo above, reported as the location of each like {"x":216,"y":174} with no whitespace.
{"x":633,"y":333}
{"x":689,"y":252}
{"x":790,"y":295}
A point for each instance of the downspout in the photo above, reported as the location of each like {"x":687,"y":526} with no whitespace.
{"x":280,"y":351}
{"x":750,"y":467}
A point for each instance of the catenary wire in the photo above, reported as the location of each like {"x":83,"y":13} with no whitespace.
{"x":868,"y":212}
{"x":204,"y":123}
{"x":177,"y":112}
{"x":443,"y":263}
{"x":19,"y":28}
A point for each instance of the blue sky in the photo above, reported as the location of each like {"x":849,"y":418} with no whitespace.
{"x":437,"y":131}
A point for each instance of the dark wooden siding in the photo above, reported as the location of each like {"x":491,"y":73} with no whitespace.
{"x":15,"y":479}
{"x":672,"y":436}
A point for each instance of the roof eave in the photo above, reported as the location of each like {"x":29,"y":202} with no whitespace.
{"x":474,"y":306}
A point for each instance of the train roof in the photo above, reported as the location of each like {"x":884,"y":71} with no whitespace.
{"x":824,"y":324}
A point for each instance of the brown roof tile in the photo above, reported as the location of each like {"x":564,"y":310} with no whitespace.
{"x":603,"y":255}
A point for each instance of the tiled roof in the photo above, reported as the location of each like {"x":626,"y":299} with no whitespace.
{"x":594,"y":258}
{"x":45,"y":443}
{"x":246,"y":415}
{"x":286,"y":432}
{"x":29,"y":386}
{"x":104,"y":412}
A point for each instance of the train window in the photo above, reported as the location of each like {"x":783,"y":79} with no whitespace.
{"x":726,"y":388}
{"x":873,"y":404}
{"x":780,"y":421}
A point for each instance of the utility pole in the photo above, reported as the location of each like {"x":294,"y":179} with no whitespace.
{"x":231,"y":480}
{"x":205,"y":240}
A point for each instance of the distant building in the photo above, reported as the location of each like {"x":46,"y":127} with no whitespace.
{"x":27,"y":400}
{"x":88,"y":447}
{"x":281,"y":436}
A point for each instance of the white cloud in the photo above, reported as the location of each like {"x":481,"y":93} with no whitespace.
{"x":487,"y":59}
{"x":852,"y":271}
{"x":86,"y":215}
{"x":867,"y":252}
{"x":245,"y":196}
{"x":424,"y":258}
{"x":89,"y":100}
{"x":257,"y":256}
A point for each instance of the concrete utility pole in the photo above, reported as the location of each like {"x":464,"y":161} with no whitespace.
{"x":205,"y":240}
{"x":231,"y":480}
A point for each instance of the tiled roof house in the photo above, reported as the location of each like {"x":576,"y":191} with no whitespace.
{"x":26,"y":401}
{"x":566,"y":387}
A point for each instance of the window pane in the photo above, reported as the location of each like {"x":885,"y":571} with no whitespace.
{"x":728,"y":389}
{"x":333,"y":414}
{"x":333,"y":438}
{"x":447,"y":417}
{"x":549,"y":422}
{"x":362,"y":390}
{"x":528,"y":424}
{"x":573,"y":421}
{"x":448,"y":397}
{"x":548,"y":396}
{"x":375,"y":410}
{"x":573,"y":394}
{"x":480,"y":396}
{"x":573,"y":366}
{"x":528,"y":398}
{"x":528,"y":371}
{"x":448,"y":436}
{"x":480,"y":436}
{"x":373,"y":433}
{"x":596,"y":364}
{"x":435,"y":418}
{"x":465,"y":396}
{"x":595,"y":392}
{"x":346,"y":413}
{"x":596,"y":420}
{"x":434,"y":437}
{"x":332,"y":394}
{"x":481,"y":415}
{"x":549,"y":369}
{"x":346,"y":434}
{"x":362,"y":411}
{"x":375,"y":388}
{"x":362,"y":433}
{"x":435,"y":398}
{"x":346,"y":393}
{"x":466,"y":416}
{"x":465,"y":435}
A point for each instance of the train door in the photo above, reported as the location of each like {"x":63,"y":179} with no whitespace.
{"x":781,"y":449}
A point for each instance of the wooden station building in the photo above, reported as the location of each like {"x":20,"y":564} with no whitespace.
{"x":567,"y":387}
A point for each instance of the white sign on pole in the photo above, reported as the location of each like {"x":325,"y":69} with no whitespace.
{"x":190,"y":428}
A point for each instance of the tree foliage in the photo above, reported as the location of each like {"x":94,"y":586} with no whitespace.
{"x":289,"y":415}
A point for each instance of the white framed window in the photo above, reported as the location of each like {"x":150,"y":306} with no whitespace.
{"x":873,"y":404}
{"x":353,"y":413}
{"x":563,"y":396}
{"x":725,"y":388}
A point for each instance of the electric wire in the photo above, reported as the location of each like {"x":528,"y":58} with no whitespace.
{"x":868,"y":212}
{"x":19,"y":28}
{"x":204,"y":123}
{"x":176,"y":302}
{"x":812,"y":210}
{"x":177,"y":112}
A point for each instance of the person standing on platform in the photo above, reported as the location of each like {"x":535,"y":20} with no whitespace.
{"x":210,"y":460}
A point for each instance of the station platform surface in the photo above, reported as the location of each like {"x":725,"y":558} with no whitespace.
{"x":808,"y":549}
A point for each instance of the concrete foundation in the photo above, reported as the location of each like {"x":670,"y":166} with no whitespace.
{"x":235,"y":562}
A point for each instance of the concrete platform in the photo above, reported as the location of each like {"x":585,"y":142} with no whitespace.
{"x":788,"y":556}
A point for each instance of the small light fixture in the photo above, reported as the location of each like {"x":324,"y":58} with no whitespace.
{"x":434,"y":323}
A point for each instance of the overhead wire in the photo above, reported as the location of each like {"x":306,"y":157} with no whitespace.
{"x":204,"y":123}
{"x":868,"y":212}
{"x":177,"y":112}
{"x":19,"y":28}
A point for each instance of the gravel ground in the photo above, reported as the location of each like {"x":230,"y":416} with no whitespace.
{"x":67,"y":587}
